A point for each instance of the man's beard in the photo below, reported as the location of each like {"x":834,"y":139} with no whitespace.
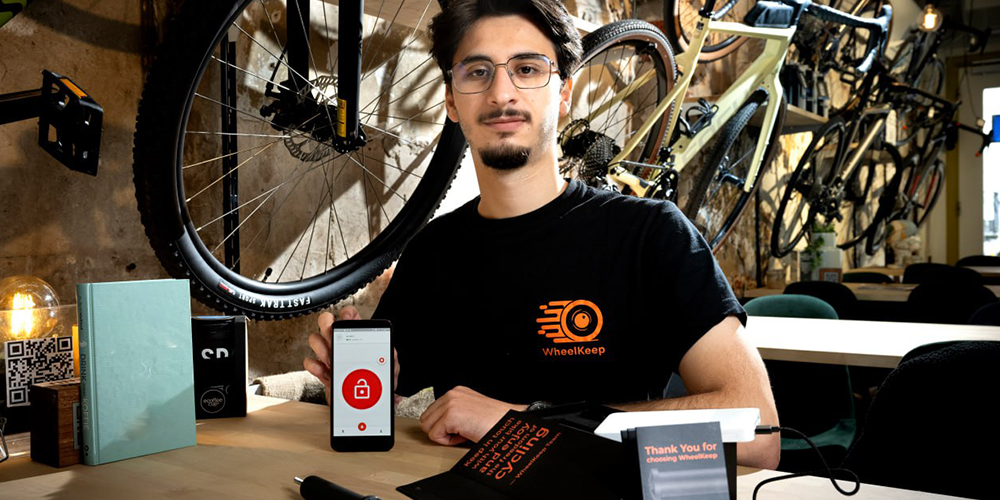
{"x":506,"y":157}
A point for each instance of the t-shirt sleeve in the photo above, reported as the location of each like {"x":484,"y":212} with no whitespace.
{"x":686,"y":281}
{"x":404,"y":303}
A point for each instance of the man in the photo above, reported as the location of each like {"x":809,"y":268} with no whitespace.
{"x":543,"y":289}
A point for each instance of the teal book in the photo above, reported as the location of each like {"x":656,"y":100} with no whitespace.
{"x":136,"y":369}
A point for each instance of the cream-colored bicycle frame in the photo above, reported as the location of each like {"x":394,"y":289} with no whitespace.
{"x":763,"y":73}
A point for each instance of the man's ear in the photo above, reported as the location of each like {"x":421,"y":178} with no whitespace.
{"x":566,"y":97}
{"x":449,"y":103}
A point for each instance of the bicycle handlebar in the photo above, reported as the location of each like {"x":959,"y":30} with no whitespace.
{"x":878,"y":28}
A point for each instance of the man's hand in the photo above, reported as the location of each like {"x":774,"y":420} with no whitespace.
{"x":463,"y":414}
{"x":320,"y":343}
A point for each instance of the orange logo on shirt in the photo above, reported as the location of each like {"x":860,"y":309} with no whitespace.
{"x":570,"y":321}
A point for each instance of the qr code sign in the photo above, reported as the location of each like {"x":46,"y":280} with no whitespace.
{"x":35,"y":361}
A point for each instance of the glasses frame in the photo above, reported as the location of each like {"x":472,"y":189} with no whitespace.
{"x":552,"y":69}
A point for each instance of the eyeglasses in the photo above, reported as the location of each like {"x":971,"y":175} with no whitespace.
{"x":530,"y":71}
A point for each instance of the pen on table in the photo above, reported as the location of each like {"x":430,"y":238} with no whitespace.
{"x":317,"y":488}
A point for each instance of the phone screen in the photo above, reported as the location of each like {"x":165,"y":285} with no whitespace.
{"x":362,"y":381}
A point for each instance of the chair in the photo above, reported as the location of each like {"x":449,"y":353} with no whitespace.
{"x":927,"y":272}
{"x":981,"y":260}
{"x":790,"y":306}
{"x":866,"y":277}
{"x":988,"y":315}
{"x":978,"y":260}
{"x":947,"y":302}
{"x":839,"y":296}
{"x":925,"y":408}
{"x":815,"y":399}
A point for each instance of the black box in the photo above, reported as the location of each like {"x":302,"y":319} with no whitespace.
{"x":55,"y":423}
{"x":220,"y":366}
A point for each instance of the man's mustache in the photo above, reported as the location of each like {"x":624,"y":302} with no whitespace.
{"x":505,"y":113}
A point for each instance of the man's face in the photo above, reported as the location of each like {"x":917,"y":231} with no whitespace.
{"x":506,"y":126}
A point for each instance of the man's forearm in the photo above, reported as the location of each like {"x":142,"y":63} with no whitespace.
{"x":757,"y":453}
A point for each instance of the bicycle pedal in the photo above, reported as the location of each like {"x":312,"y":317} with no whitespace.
{"x":69,"y":124}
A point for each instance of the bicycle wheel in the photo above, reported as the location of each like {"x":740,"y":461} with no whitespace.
{"x":808,"y":191}
{"x":868,"y":194}
{"x":925,"y":191}
{"x":239,"y":185}
{"x":681,"y":16}
{"x":628,"y":56}
{"x":872,"y":210}
{"x":719,"y":197}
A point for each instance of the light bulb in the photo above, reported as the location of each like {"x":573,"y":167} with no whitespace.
{"x":931,"y":19}
{"x":28,"y":308}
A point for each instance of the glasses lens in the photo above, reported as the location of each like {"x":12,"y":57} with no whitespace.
{"x":530,"y":71}
{"x":474,"y":76}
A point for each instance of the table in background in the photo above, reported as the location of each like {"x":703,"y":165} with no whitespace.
{"x":896,"y":273}
{"x":879,"y":344}
{"x":870,"y":292}
{"x":257,"y":457}
{"x":986,"y":271}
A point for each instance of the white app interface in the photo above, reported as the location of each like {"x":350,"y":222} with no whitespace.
{"x":362,"y":382}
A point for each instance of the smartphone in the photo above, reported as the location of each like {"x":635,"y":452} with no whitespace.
{"x":361,"y":406}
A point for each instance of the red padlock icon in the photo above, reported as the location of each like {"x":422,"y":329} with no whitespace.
{"x":361,"y":389}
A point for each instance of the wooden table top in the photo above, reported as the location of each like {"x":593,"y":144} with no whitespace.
{"x":876,"y":292}
{"x":986,"y":271}
{"x":878,"y":344}
{"x":258,"y":457}
{"x":896,"y":272}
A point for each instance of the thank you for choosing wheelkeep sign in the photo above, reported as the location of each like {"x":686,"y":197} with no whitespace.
{"x":678,"y":462}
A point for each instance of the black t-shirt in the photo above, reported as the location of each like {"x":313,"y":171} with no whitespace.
{"x":595,"y":296}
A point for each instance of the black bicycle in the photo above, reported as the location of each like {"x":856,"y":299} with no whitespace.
{"x":279,"y":167}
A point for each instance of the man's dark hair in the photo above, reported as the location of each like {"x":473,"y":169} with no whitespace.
{"x":449,"y":27}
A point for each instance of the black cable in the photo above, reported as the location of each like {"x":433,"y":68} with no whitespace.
{"x":770,"y":429}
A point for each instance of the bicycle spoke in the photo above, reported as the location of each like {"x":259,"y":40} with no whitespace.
{"x":251,"y":73}
{"x":356,"y":162}
{"x":276,"y":58}
{"x":239,"y":134}
{"x":377,"y":99}
{"x":265,"y":193}
{"x":385,"y":34}
{"x":393,"y":83}
{"x":401,"y":169}
{"x":185,"y":167}
{"x":295,"y":133}
{"x":387,"y":132}
{"x":379,"y":199}
{"x":614,"y":85}
{"x":405,"y":48}
{"x":235,"y":169}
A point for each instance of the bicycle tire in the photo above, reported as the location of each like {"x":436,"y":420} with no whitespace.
{"x":680,"y":17}
{"x":168,"y":144}
{"x":927,"y":191}
{"x":873,"y":231}
{"x":806,"y":187}
{"x":615,"y":57}
{"x":719,"y":198}
{"x":865,"y":184}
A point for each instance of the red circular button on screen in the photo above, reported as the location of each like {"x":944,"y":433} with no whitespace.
{"x":362,"y":426}
{"x":361,"y":389}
